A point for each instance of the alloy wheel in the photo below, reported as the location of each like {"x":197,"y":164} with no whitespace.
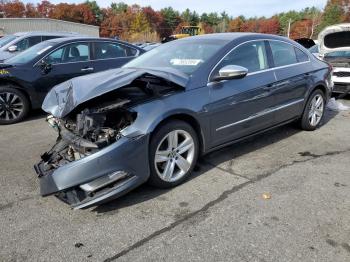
{"x":174,"y":155}
{"x":316,"y":110}
{"x":11,"y":106}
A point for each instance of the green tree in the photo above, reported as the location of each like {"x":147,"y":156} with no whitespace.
{"x":213,"y":19}
{"x":333,"y":14}
{"x":171,"y":17}
{"x":186,"y":15}
{"x":120,"y":7}
{"x":96,"y":10}
{"x":204,"y":18}
{"x":285,"y":18}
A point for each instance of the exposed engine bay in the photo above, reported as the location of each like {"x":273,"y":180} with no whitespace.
{"x":98,"y":123}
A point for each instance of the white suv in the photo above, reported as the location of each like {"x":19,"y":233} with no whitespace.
{"x":334,"y":48}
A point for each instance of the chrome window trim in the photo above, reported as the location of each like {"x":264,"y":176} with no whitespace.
{"x":89,"y":60}
{"x":278,"y":67}
{"x":262,"y":113}
{"x":263,"y":70}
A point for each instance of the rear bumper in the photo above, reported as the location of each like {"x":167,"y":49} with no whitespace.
{"x":129,"y":155}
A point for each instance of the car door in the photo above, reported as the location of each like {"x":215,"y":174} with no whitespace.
{"x":66,"y":62}
{"x":292,"y":67}
{"x":108,"y":55}
{"x":240,"y":107}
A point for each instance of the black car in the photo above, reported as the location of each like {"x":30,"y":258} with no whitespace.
{"x":26,"y":78}
{"x":152,"y":118}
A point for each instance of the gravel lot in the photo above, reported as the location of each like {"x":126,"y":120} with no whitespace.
{"x":220,"y":214}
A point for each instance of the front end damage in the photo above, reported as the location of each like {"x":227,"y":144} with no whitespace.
{"x":93,"y":161}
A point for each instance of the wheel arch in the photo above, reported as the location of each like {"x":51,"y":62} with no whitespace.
{"x":321,"y":87}
{"x":189,"y":119}
{"x":17,"y":86}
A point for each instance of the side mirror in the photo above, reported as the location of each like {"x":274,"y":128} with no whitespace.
{"x":12,"y":48}
{"x":45,"y":67}
{"x":231,"y":72}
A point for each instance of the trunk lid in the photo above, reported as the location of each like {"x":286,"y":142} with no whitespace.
{"x":335,"y":38}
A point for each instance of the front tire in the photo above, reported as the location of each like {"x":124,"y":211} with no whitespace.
{"x":173,"y":154}
{"x":314,"y":111}
{"x":14,"y":105}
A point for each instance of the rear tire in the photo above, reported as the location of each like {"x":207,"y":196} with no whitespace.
{"x":314,"y":111}
{"x":14,"y":105}
{"x":173,"y":154}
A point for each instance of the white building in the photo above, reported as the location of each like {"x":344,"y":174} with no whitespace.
{"x":15,"y":25}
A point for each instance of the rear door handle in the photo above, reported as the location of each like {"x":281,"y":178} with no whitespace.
{"x":279,"y":84}
{"x":87,"y":69}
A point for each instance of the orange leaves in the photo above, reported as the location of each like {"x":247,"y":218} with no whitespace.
{"x":13,"y":8}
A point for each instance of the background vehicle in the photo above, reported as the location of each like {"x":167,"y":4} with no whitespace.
{"x":186,"y":31}
{"x":334,"y":48}
{"x":11,"y":45}
{"x":26,"y":78}
{"x":173,"y":103}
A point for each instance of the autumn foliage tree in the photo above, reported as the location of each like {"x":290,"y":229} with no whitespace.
{"x":269,"y":26}
{"x":45,"y":8}
{"x":13,"y":8}
{"x":144,"y":23}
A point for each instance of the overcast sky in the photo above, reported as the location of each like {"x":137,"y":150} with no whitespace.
{"x":247,"y":8}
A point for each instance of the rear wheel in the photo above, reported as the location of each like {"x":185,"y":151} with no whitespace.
{"x":314,"y":111}
{"x":14,"y":105}
{"x":173,"y":154}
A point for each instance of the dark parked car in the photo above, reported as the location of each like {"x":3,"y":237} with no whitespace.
{"x":26,"y":78}
{"x":152,"y":118}
{"x":11,"y":45}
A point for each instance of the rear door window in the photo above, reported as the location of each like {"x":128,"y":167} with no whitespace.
{"x":283,"y":53}
{"x":109,"y":50}
{"x":301,"y":56}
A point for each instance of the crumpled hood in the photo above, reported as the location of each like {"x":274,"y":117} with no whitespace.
{"x":63,"y":98}
{"x":335,"y":38}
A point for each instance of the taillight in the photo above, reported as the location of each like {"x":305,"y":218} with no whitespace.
{"x":330,"y":67}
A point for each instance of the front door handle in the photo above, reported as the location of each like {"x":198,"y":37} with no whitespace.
{"x":87,"y":69}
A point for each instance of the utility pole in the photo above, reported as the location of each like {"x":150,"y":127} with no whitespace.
{"x":290,"y":21}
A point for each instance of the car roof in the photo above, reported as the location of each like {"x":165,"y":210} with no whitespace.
{"x":77,"y":38}
{"x":34,"y":33}
{"x":234,"y":36}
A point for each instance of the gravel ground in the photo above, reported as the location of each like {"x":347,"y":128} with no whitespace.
{"x":220,"y":214}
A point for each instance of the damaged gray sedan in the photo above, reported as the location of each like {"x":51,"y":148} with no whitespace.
{"x":151,"y":119}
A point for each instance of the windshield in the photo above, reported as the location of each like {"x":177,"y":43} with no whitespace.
{"x":338,"y":54}
{"x":29,"y":54}
{"x":6,"y":39}
{"x":184,"y":55}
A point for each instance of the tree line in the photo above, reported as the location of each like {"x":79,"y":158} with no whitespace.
{"x":135,"y":23}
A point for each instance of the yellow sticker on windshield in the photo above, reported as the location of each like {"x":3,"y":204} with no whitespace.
{"x":185,"y":62}
{"x":4,"y":72}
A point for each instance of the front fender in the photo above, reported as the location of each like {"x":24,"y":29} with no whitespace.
{"x":150,"y":114}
